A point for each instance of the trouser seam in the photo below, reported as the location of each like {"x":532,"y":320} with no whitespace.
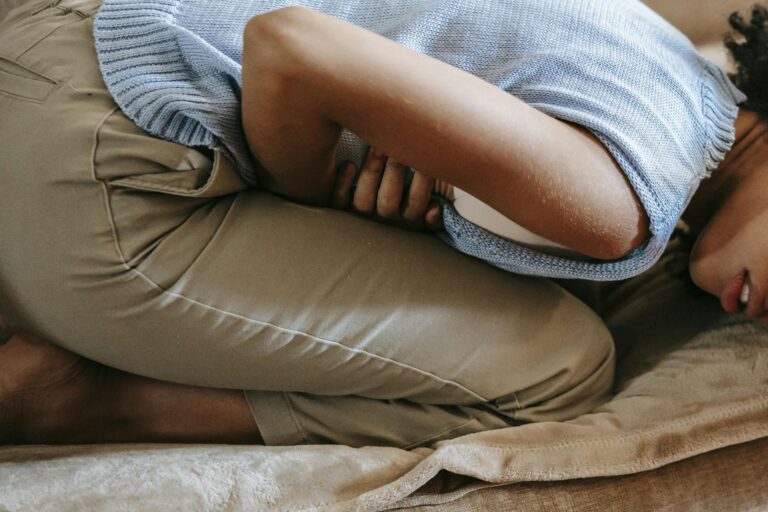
{"x":308,"y":335}
{"x":415,"y":444}
{"x":299,"y":427}
{"x":41,"y":8}
{"x":68,"y":10}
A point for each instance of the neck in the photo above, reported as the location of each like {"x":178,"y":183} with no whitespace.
{"x":735,"y":167}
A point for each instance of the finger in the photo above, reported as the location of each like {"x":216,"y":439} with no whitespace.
{"x":368,"y":182}
{"x":419,"y":195}
{"x":434,"y":217}
{"x":391,"y":190}
{"x":342,"y":190}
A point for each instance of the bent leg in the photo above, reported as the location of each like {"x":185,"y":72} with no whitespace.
{"x":324,"y":303}
{"x":118,"y":255}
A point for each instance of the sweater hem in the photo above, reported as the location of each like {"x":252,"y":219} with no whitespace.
{"x":505,"y":254}
{"x":720,"y":104}
{"x":147,"y":73}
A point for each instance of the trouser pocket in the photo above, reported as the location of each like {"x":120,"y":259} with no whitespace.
{"x":26,"y":24}
{"x":128,"y":157}
{"x":23,"y":83}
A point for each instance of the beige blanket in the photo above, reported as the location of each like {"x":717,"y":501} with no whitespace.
{"x":691,"y":380}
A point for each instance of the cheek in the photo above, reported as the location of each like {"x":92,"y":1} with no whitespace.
{"x":726,"y":248}
{"x":735,"y":238}
{"x":703,"y":262}
{"x":716,"y":257}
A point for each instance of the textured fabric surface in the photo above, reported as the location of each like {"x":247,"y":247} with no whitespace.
{"x":731,"y":479}
{"x":665,"y":113}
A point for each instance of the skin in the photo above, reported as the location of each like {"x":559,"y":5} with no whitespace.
{"x":380,"y":192}
{"x":729,"y":212}
{"x":50,"y":395}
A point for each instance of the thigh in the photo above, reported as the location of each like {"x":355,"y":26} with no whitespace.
{"x":320,"y":301}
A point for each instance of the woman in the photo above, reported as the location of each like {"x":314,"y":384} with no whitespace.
{"x":610,"y":240}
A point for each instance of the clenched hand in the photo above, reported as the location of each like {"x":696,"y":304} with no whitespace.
{"x":383,"y":193}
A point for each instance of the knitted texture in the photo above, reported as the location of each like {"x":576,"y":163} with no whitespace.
{"x":665,"y":113}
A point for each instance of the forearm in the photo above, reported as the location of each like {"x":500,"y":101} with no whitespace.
{"x":551,"y":177}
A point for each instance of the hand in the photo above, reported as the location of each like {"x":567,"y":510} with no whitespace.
{"x":381,"y":192}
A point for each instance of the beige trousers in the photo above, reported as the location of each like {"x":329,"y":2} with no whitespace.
{"x":154,"y":258}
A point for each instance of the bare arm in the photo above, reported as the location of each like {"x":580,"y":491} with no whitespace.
{"x":307,"y":74}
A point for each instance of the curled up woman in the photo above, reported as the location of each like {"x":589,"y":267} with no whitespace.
{"x":555,"y":139}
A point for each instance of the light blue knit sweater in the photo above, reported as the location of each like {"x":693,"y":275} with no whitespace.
{"x":664,"y":112}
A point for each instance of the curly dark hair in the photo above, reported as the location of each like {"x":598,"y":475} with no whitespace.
{"x":749,"y":48}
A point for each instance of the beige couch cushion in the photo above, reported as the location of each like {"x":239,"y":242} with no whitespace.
{"x":731,"y":479}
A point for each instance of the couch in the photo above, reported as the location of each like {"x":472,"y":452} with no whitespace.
{"x":687,"y":428}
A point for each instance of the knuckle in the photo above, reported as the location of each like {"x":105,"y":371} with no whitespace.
{"x":388,"y":209}
{"x":363,"y":207}
{"x":372,"y":172}
{"x":417,"y":207}
{"x":340,"y":200}
{"x":374,"y":156}
{"x":412,"y":215}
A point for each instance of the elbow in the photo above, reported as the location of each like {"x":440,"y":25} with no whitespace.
{"x":276,"y":36}
{"x":277,"y":50}
{"x":277,"y":21}
{"x":620,"y":250}
{"x":625,"y":239}
{"x":625,"y":225}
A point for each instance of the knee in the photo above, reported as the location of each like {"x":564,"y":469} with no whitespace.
{"x":581,"y":382}
{"x":574,"y":376}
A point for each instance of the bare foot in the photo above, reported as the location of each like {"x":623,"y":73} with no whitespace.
{"x":49,"y":395}
{"x":42,"y":389}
